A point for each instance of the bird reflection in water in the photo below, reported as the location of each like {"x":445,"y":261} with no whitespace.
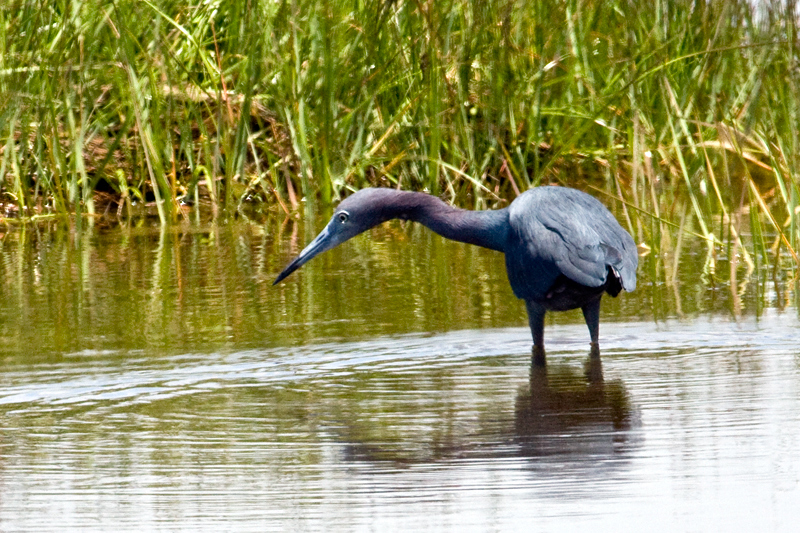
{"x":562,"y":412}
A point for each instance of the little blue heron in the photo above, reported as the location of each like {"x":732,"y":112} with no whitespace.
{"x":563,"y":248}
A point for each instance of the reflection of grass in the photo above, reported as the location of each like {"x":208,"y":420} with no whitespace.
{"x":685,"y":112}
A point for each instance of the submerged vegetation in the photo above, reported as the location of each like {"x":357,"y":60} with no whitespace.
{"x":678,"y":114}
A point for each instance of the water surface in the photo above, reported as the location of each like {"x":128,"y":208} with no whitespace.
{"x":157,"y":381}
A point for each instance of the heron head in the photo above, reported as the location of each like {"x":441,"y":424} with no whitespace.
{"x":357,"y":213}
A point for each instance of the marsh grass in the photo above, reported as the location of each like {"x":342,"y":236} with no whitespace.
{"x":682,"y":116}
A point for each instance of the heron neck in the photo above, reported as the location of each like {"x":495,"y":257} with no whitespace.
{"x":488,"y":229}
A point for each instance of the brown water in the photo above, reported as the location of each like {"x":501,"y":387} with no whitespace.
{"x":157,"y":381}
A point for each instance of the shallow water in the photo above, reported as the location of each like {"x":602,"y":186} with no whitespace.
{"x":157,"y":381}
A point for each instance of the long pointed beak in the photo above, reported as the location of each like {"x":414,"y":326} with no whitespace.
{"x":324,"y":241}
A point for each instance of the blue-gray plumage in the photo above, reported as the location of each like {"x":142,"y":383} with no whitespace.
{"x":563,"y":248}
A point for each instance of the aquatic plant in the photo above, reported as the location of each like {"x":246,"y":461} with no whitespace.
{"x":679,"y":115}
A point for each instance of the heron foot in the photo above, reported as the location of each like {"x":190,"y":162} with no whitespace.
{"x":538,"y":358}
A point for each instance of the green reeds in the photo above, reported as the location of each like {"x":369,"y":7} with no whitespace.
{"x":676,"y":109}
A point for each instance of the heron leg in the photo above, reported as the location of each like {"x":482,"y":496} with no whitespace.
{"x":536,"y":321}
{"x":591,"y":313}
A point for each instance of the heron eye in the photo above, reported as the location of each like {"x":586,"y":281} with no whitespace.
{"x":343,"y":216}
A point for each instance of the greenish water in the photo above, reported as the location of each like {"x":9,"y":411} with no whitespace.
{"x":157,"y":381}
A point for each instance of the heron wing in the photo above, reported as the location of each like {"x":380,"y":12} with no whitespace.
{"x":564,"y":231}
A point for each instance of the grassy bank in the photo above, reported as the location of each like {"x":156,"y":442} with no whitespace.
{"x":678,"y":114}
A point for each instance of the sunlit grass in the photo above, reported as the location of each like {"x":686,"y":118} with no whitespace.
{"x":682,"y":116}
